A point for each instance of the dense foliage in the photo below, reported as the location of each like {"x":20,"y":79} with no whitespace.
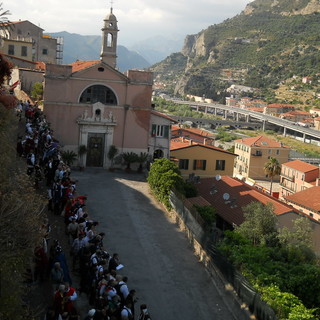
{"x":163,"y":177}
{"x":279,"y":264}
{"x":21,"y":214}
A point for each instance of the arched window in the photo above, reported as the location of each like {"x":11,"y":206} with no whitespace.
{"x":98,"y":93}
{"x":109,"y":40}
{"x":158,"y":154}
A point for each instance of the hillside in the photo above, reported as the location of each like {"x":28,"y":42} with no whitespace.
{"x":266,"y":44}
{"x":79,"y":47}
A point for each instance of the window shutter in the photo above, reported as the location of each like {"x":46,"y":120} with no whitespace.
{"x":153,"y":130}
{"x":194,"y":164}
{"x":166,"y":132}
{"x":204,"y":164}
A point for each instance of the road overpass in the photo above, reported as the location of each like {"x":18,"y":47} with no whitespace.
{"x":239,"y":114}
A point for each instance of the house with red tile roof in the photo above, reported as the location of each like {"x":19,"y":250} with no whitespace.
{"x":275,"y":109}
{"x":195,"y":134}
{"x":254,"y":152}
{"x":296,"y":115}
{"x":297,"y":176}
{"x":201,"y":159}
{"x":91,"y":103}
{"x":306,"y":201}
{"x":229,"y":196}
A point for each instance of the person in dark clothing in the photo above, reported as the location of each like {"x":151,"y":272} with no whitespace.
{"x":132,"y":299}
{"x":114,"y":262}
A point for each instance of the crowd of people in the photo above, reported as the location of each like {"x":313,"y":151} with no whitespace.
{"x":99,"y":272}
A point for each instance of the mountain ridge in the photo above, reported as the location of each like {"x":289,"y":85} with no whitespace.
{"x":269,"y":41}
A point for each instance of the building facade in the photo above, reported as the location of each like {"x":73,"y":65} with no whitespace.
{"x":90,"y":103}
{"x":297,"y":176}
{"x":254,"y":152}
{"x":25,"y":40}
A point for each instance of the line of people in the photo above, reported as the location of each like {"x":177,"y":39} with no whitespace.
{"x":107,"y":290}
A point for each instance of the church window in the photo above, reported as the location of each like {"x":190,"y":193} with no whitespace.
{"x":98,"y":93}
{"x":100,"y":69}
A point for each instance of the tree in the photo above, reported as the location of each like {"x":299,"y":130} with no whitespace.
{"x":37,"y":91}
{"x":68,"y":157}
{"x":260,"y":224}
{"x":142,"y":158}
{"x":163,"y":177}
{"x":272,"y":168}
{"x":128,"y":158}
{"x":113,"y":151}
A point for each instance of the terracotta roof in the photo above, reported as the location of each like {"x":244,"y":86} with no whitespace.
{"x":297,"y":112}
{"x":300,"y":166}
{"x":277,"y":105}
{"x":309,"y":198}
{"x":194,"y":130}
{"x":256,"y":109}
{"x":261,"y":141}
{"x":199,"y":201}
{"x":41,"y":65}
{"x":241,"y":192}
{"x":176,"y":145}
{"x":159,"y":114}
{"x":80,"y":65}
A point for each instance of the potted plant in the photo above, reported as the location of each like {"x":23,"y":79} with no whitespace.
{"x":113,"y":151}
{"x":68,"y":157}
{"x":141,"y":159}
{"x":129,"y":158}
{"x":82,"y":150}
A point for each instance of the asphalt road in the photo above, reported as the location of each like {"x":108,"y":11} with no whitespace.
{"x":157,"y":257}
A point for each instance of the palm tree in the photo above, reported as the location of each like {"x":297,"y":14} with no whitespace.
{"x":272,"y":168}
{"x":128,"y":158}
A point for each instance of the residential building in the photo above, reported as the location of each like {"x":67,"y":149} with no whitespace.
{"x":25,"y":40}
{"x":306,"y":201}
{"x":229,"y":196}
{"x":316,"y":123}
{"x":200,"y":159}
{"x":91,"y":103}
{"x":195,"y":134}
{"x":315,"y":112}
{"x":296,"y":115}
{"x":297,"y":176}
{"x":254,"y":152}
{"x":159,"y":141}
{"x":276,"y":109}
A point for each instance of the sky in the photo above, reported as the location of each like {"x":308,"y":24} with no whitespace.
{"x":137,"y":19}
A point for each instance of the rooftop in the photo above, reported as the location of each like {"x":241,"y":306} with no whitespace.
{"x":300,"y":166}
{"x":238,"y":193}
{"x":261,"y":141}
{"x":80,"y":65}
{"x":309,"y":198}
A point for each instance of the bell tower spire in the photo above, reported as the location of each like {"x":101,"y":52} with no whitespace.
{"x":109,"y":39}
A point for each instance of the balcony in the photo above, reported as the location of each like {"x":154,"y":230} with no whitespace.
{"x":257,"y":154}
{"x":286,"y":177}
{"x":291,"y":189}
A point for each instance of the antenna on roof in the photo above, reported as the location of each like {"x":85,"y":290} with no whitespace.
{"x":226,"y":197}
{"x":213,"y":189}
{"x":218,"y":177}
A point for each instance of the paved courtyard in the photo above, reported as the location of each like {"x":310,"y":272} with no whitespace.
{"x":157,"y":257}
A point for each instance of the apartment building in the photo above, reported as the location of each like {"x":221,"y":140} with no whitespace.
{"x":297,"y":176}
{"x":254,"y":152}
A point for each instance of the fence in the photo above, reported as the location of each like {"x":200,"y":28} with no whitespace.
{"x":205,"y":242}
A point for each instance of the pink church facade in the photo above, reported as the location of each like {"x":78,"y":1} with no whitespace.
{"x":91,"y":103}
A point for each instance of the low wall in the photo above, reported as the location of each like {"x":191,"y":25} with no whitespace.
{"x":227,"y":279}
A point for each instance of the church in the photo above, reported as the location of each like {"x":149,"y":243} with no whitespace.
{"x":91,"y":103}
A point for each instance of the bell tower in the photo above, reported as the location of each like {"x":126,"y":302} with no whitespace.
{"x":109,"y":40}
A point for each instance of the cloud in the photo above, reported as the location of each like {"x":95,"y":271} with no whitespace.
{"x":137,"y":19}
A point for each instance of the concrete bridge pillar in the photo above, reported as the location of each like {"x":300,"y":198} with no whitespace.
{"x":264,"y":125}
{"x":237,"y":117}
{"x":304,"y":137}
{"x":215,"y":111}
{"x":247,"y":117}
{"x":225,"y":114}
{"x":205,"y":109}
{"x":284,"y":131}
{"x":197,"y":108}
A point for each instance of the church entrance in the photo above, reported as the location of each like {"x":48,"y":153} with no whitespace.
{"x":95,"y":149}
